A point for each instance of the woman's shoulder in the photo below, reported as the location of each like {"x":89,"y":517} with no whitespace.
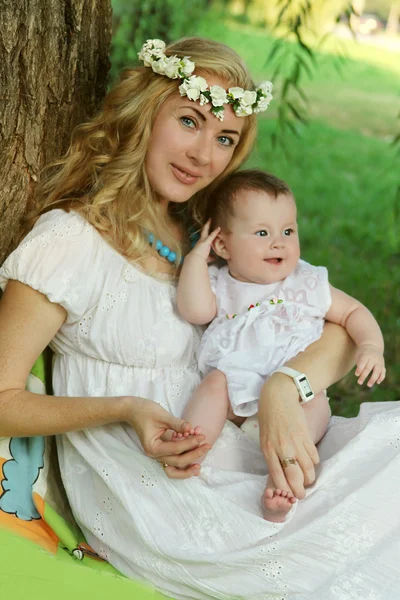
{"x":62,"y":257}
{"x":61,"y":223}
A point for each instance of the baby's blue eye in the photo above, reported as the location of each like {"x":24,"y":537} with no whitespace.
{"x":262,"y":233}
{"x":187,"y":122}
{"x":287,"y":232}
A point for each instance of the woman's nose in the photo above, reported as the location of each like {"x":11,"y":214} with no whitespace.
{"x":201,"y":151}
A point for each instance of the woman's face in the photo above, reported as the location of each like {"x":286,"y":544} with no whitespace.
{"x":189,"y":147}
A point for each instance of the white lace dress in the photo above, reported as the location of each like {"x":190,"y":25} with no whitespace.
{"x":204,"y":537}
{"x":258,"y":328}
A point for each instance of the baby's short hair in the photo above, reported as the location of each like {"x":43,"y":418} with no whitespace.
{"x":220,"y":204}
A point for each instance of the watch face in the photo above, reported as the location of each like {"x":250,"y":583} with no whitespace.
{"x":305,"y":386}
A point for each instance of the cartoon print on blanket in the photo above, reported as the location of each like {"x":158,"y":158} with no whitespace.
{"x":19,"y":475}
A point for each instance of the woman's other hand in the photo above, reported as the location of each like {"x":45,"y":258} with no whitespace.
{"x":151,"y":422}
{"x":284,"y":434}
{"x":283,"y":429}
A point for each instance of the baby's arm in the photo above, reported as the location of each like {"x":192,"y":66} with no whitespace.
{"x":195,"y":298}
{"x":365,"y":331}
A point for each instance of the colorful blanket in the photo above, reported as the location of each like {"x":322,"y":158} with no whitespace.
{"x":33,"y":505}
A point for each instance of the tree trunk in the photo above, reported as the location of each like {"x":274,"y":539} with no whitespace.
{"x":392,"y":26}
{"x":53,"y":73}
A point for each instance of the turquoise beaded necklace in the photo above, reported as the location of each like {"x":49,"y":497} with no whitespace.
{"x":165,"y":252}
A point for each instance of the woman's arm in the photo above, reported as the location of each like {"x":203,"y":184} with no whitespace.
{"x":283,"y":428}
{"x":28,"y":322}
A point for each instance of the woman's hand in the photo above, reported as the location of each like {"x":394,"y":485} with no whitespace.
{"x":283,"y":429}
{"x":151,"y":422}
{"x":284,"y":434}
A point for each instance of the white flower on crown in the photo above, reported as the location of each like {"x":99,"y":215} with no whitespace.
{"x":249,"y":98}
{"x":172,"y":64}
{"x":159,"y":65}
{"x":265,"y":87}
{"x":152,"y":50}
{"x":192,"y":87}
{"x":187,"y":66}
{"x":236,"y":92}
{"x":244,"y":102}
{"x":243,"y":110}
{"x":218,"y":95}
{"x":219,"y":114}
{"x":203,"y":100}
{"x":262,"y":104}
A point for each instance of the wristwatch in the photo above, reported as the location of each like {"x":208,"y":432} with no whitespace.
{"x":300,"y":381}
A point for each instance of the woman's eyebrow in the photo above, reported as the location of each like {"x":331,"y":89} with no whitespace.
{"x":198,"y":112}
{"x":230,"y":131}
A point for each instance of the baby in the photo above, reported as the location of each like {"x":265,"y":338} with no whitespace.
{"x":265,"y":306}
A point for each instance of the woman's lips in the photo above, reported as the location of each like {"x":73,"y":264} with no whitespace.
{"x":184,"y":176}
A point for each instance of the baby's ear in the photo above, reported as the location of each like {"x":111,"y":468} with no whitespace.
{"x":219,"y":246}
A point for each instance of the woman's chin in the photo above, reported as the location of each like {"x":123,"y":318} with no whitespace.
{"x":179,"y":196}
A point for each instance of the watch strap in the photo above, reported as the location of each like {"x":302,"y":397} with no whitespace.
{"x":288,"y":371}
{"x":298,"y":377}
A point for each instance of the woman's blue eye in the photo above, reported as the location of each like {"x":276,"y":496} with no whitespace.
{"x":262,"y":233}
{"x":287,"y":232}
{"x":226,"y":141}
{"x":187,"y":122}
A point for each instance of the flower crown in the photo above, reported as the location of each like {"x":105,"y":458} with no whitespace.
{"x":244,"y":102}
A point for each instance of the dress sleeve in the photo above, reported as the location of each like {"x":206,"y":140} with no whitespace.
{"x":314,"y":281}
{"x":59,"y":258}
{"x":324,"y":298}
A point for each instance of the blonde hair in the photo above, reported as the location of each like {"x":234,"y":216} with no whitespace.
{"x":102,"y":176}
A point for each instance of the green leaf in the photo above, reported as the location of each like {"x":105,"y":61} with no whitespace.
{"x":297,"y":113}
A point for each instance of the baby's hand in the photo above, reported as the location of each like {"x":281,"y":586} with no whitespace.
{"x":203,"y":246}
{"x":370,"y":358}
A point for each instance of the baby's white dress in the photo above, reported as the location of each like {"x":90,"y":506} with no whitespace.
{"x":260,"y":327}
{"x":204,"y":537}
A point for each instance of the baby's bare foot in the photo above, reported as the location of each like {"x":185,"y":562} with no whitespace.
{"x":276,"y":504}
{"x":190,"y":433}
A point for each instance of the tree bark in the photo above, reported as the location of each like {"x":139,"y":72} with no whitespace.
{"x":53,"y":74}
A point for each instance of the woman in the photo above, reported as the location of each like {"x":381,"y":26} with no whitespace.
{"x":89,"y":283}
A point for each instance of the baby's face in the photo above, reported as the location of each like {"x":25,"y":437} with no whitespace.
{"x":263,"y":244}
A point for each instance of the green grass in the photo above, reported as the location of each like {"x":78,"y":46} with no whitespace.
{"x":344,"y":174}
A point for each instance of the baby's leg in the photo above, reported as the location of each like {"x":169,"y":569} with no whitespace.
{"x":208,"y":407}
{"x":277,"y":503}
